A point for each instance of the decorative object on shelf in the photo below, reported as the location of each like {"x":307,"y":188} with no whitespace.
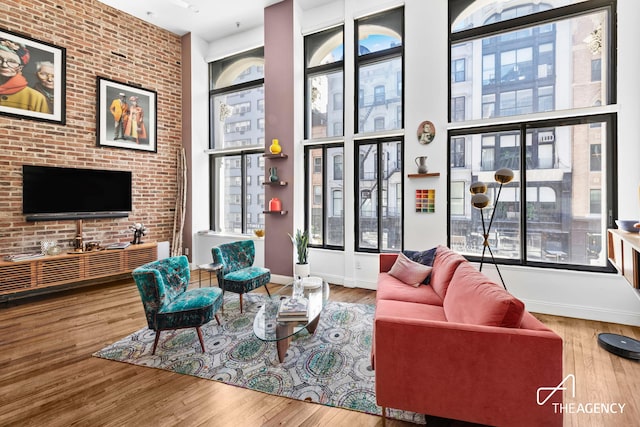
{"x":92,"y":246}
{"x":139,"y":230}
{"x":426,"y":132}
{"x":54,"y":250}
{"x":259,"y":232}
{"x":480,"y":200}
{"x":275,"y":204}
{"x":301,"y":242}
{"x":275,"y":147}
{"x":127,"y":116}
{"x":421,"y":162}
{"x":426,"y":200}
{"x":46,"y":244}
{"x":35,"y":71}
{"x":273,"y":174}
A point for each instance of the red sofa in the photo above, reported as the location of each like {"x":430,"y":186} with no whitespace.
{"x":463,"y":348}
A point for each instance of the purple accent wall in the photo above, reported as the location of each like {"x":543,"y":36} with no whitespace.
{"x":279,"y":118}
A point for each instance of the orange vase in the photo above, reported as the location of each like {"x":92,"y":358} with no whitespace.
{"x":275,"y":205}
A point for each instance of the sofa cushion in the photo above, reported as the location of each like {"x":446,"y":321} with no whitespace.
{"x":410,"y":272}
{"x":390,"y":288}
{"x":473,"y":298}
{"x":424,"y":257}
{"x":444,"y":265}
{"x":409,"y":310}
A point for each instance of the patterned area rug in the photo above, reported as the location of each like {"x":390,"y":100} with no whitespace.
{"x":331,"y":367}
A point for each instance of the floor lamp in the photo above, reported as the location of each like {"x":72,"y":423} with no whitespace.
{"x":480,"y":200}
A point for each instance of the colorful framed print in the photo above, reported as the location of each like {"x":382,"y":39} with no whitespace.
{"x":127,"y":116}
{"x":32,"y":78}
{"x":426,"y":200}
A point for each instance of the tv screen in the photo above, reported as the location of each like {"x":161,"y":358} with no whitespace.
{"x":51,"y":193}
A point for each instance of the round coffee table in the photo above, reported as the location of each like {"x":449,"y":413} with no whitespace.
{"x":267,"y":328}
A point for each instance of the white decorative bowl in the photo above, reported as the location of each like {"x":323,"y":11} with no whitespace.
{"x":628,"y":225}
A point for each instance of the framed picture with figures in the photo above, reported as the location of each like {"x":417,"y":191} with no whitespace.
{"x":126,"y":116}
{"x":32,"y":78}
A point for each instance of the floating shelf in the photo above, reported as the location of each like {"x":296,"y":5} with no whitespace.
{"x":423,"y":175}
{"x":279,"y":183}
{"x":275,"y":156}
{"x":275,"y":212}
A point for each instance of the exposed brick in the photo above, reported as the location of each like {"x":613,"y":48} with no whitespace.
{"x":90,"y":31}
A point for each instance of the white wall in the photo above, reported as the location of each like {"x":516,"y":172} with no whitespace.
{"x":605,"y":297}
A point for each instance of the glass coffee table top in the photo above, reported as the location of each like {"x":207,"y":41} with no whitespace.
{"x":267,"y":328}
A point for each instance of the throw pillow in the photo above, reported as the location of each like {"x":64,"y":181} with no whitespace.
{"x":424,"y":257}
{"x":410,"y":272}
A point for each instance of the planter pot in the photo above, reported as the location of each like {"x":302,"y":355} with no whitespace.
{"x":301,"y":270}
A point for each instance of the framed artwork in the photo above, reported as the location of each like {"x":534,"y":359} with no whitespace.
{"x":426,"y":200}
{"x":426,"y":132}
{"x":32,"y":78}
{"x":127,"y":116}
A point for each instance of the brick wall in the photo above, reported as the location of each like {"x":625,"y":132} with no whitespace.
{"x":99,"y":41}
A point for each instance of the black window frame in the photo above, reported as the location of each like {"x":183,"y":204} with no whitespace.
{"x":539,"y":18}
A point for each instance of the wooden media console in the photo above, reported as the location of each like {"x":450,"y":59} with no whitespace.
{"x":51,"y":273}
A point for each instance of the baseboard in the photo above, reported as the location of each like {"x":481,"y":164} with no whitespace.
{"x":583,"y":312}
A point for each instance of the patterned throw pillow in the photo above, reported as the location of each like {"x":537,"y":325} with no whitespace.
{"x":410,"y":272}
{"x":424,"y":257}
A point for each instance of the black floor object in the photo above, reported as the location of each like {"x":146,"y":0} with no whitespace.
{"x":620,"y":345}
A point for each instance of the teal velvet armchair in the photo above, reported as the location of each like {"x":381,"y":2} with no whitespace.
{"x":238,"y":274}
{"x":167,"y":302}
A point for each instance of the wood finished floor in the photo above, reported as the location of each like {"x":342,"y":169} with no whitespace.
{"x":49,"y":378}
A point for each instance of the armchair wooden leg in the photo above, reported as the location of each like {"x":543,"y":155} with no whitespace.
{"x":384,"y":416}
{"x":200,"y":337}
{"x":217,"y":319}
{"x":240,"y":303}
{"x":155,"y":342}
{"x":267,"y":289}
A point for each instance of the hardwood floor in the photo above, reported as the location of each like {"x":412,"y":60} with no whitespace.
{"x":49,"y":378}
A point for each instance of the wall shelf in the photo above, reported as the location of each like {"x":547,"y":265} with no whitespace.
{"x":275,"y":156}
{"x":278,"y":183}
{"x":275,"y":212}
{"x":423,"y":175}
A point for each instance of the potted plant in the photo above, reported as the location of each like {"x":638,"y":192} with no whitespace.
{"x":301,"y":242}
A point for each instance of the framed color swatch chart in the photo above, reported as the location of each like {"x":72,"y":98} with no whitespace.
{"x":426,"y":200}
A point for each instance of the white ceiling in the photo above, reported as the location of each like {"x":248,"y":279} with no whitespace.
{"x":208,"y":19}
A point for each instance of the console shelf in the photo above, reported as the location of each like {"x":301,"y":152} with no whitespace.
{"x":278,"y":183}
{"x":275,"y":212}
{"x":45,"y":274}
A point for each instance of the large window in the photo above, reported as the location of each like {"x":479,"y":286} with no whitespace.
{"x":324,"y":189}
{"x":379,"y":71}
{"x":379,"y":205}
{"x":547,"y":124}
{"x":324,"y":99}
{"x":236,"y":91}
{"x":324,"y":119}
{"x":373,"y":162}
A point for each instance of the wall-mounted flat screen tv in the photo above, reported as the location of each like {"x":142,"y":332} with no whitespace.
{"x":53,"y":193}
